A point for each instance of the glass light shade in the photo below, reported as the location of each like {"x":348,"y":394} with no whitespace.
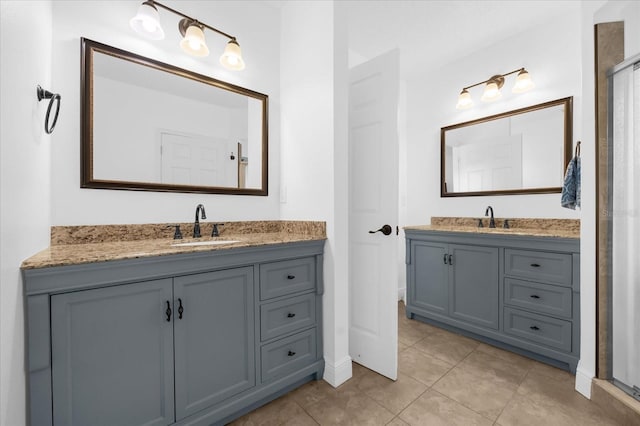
{"x":232,"y":56}
{"x":193,"y":42}
{"x":464,"y":100}
{"x":147,"y":22}
{"x":523,"y":82}
{"x":491,"y":92}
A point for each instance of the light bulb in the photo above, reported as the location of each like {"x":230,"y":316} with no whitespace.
{"x":464,"y":100}
{"x":232,"y":56}
{"x":147,"y":22}
{"x":523,"y":82}
{"x":193,"y":42}
{"x":491,"y":92}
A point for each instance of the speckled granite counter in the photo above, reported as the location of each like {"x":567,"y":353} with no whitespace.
{"x":555,"y":228}
{"x":71,"y":245}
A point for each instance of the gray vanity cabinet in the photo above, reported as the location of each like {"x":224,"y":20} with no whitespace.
{"x":514,"y":291}
{"x":456,"y":280}
{"x":182,"y":339}
{"x":112,"y":353}
{"x":214,"y":338}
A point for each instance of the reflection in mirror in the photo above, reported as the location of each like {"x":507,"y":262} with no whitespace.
{"x":152,"y":126}
{"x":521,"y":151}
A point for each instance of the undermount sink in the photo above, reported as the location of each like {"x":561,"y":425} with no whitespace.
{"x":205,"y":243}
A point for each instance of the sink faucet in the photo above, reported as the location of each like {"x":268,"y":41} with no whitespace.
{"x":196,"y":225}
{"x":492,"y":222}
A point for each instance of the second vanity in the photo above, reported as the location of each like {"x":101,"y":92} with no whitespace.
{"x":515,"y":288}
{"x":148,"y":332}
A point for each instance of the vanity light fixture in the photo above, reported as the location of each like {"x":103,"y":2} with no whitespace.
{"x":492,"y":88}
{"x":147,"y":23}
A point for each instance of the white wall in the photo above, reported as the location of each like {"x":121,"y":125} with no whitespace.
{"x":24,"y":180}
{"x":552,"y":55}
{"x":258,"y":33}
{"x":314,"y":163}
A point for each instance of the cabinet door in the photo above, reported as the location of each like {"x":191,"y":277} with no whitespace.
{"x":428,"y":285}
{"x":112,"y":356}
{"x":214,"y":338}
{"x":474,"y":285}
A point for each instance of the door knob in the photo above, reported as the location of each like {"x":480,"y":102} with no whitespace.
{"x":386,"y":230}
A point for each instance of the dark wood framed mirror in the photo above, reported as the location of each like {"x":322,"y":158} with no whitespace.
{"x":524,"y":151}
{"x":151,"y":126}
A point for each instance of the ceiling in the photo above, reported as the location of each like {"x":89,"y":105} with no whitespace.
{"x":430,"y":33}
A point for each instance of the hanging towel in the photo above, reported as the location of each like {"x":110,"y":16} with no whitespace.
{"x":571,"y":188}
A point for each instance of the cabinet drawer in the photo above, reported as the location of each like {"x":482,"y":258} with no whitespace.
{"x":287,"y":277}
{"x":284,"y":316}
{"x":552,"y":332}
{"x":543,"y":298}
{"x":539,"y":266}
{"x":289,"y":354}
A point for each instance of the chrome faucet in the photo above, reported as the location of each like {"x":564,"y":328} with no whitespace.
{"x":492,"y":222}
{"x":196,"y":225}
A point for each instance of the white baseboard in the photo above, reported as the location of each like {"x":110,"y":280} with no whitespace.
{"x":583,"y":382}
{"x":402,"y":295}
{"x":338,"y":373}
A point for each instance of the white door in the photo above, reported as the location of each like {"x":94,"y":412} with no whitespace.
{"x":373,"y":203}
{"x":196,"y":160}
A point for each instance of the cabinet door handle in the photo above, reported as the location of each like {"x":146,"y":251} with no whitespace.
{"x":291,"y":353}
{"x":290,"y":277}
{"x":168,"y":311}
{"x":445,"y":258}
{"x":534,"y":328}
{"x":291,"y":315}
{"x":180,"y":309}
{"x":450,"y":259}
{"x":534,"y":296}
{"x":535,"y":265}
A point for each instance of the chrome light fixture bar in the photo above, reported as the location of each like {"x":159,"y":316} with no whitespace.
{"x":492,"y":88}
{"x":147,"y":23}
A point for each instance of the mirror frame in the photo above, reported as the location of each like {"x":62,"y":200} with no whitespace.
{"x":88,"y":48}
{"x":567,"y":148}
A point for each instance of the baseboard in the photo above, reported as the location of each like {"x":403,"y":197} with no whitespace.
{"x":583,"y":382}
{"x":337,"y":373}
{"x":402,"y":295}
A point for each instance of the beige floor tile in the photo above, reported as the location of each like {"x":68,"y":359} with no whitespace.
{"x":507,"y":356}
{"x":349,"y":407}
{"x":409,"y":334}
{"x":396,"y":395}
{"x":397,"y":422}
{"x":434,"y":409}
{"x":446,"y":346}
{"x":482,"y":393}
{"x":402,"y":346}
{"x":522,"y":411}
{"x":421,"y":366}
{"x":491,"y":366}
{"x":281,"y":412}
{"x":312,"y":392}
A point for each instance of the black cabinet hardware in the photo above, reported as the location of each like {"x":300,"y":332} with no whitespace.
{"x":291,"y":353}
{"x":534,"y":296}
{"x":445,"y":258}
{"x":180,"y":309}
{"x":290,"y":277}
{"x":386,"y":230}
{"x":534,"y":327}
{"x":450,"y":259}
{"x":535,"y":265}
{"x":168,"y":311}
{"x":291,"y":315}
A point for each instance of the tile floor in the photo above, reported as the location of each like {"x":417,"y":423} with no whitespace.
{"x":443,"y":379}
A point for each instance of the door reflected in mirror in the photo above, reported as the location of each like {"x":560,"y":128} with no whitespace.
{"x":521,"y":151}
{"x":152,"y":126}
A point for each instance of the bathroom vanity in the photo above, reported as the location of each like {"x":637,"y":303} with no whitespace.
{"x":518,"y":289}
{"x":159,"y":334}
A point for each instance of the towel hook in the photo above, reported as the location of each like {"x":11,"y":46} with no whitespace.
{"x":578,"y":149}
{"x":45,"y":94}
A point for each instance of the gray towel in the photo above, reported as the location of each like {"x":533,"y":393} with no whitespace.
{"x":571,"y":188}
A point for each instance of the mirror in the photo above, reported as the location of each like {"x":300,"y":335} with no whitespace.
{"x":151,"y":126}
{"x":524,"y":151}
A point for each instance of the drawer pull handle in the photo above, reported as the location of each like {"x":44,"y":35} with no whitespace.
{"x":534,"y":327}
{"x":180,"y":309}
{"x":534,"y":296}
{"x":291,"y":353}
{"x":450,"y":259}
{"x":535,"y":265}
{"x":445,"y":258}
{"x":168,"y":311}
{"x":291,"y":315}
{"x":290,"y":277}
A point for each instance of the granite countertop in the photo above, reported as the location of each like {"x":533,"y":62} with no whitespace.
{"x":74,"y":245}
{"x":553,"y":228}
